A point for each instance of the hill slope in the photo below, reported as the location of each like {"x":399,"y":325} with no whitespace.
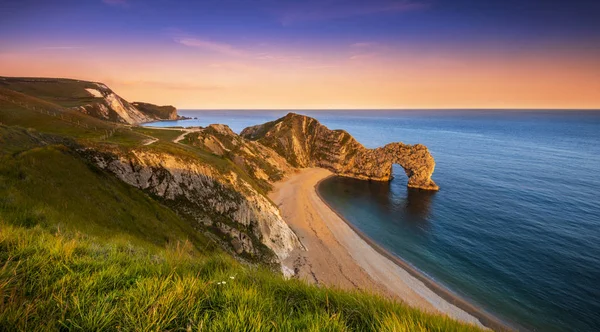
{"x":56,"y":280}
{"x":110,"y":227}
{"x":91,"y":98}
{"x":211,"y":193}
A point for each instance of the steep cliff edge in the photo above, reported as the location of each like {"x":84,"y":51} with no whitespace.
{"x":157,"y":112}
{"x":91,"y":98}
{"x":218,"y":200}
{"x":304,"y":142}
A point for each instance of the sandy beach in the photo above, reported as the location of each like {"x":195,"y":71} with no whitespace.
{"x":336,"y":255}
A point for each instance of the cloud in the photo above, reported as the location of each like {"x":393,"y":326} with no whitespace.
{"x":320,"y":67}
{"x":362,"y":45}
{"x":366,"y":50}
{"x":233,"y":66}
{"x":231,"y":50}
{"x":166,"y":85}
{"x":59,"y":48}
{"x":363,"y":56}
{"x":117,"y":3}
{"x":322,"y":10}
{"x":277,"y":57}
{"x":212,"y":46}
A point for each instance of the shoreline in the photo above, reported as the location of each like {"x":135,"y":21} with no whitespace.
{"x":486,"y":319}
{"x":339,"y":255}
{"x":143,"y":124}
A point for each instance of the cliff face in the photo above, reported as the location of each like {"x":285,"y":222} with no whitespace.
{"x":223,"y":203}
{"x":91,"y":98}
{"x":304,"y":142}
{"x":261,"y":163}
{"x":107,"y":105}
{"x":157,"y":112}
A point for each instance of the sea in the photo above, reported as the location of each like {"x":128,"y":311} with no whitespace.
{"x":515,"y":226}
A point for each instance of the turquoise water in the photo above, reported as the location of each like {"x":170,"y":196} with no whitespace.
{"x":515,"y":227}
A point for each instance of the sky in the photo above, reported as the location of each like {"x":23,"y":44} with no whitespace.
{"x":314,"y":54}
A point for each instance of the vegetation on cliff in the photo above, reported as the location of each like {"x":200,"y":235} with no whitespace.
{"x":304,"y":142}
{"x":216,"y":198}
{"x":157,"y":112}
{"x":89,"y":246}
{"x":91,"y":98}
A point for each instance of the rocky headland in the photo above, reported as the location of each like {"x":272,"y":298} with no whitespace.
{"x":91,"y":98}
{"x":157,"y":112}
{"x":304,"y":142}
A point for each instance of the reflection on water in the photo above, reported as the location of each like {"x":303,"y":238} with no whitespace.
{"x":418,"y":202}
{"x":401,"y":205}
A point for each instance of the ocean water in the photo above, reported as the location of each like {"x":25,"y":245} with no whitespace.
{"x":515,"y":227}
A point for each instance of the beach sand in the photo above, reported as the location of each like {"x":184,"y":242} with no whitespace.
{"x":336,"y":255}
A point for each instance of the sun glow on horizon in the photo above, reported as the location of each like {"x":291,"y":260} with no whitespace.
{"x":300,"y":59}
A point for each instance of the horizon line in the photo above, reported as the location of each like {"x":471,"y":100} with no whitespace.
{"x":392,"y":109}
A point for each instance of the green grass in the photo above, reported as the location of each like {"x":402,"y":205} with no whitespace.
{"x":51,"y":280}
{"x":81,"y":250}
{"x":52,"y":186}
{"x":104,"y":135}
{"x":63,"y":92}
{"x":62,"y":121}
{"x":167,"y":135}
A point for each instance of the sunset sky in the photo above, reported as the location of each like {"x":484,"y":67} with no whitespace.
{"x":254,"y":54}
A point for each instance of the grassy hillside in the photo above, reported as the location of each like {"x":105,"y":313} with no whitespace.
{"x":42,"y":182}
{"x":63,"y":280}
{"x":60,"y":91}
{"x":81,"y":250}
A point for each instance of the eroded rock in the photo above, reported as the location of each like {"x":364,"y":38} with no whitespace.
{"x":304,"y":142}
{"x":215,"y":198}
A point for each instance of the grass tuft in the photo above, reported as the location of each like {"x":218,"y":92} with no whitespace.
{"x":65,"y":280}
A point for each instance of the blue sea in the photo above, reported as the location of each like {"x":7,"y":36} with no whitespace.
{"x":515,"y":227}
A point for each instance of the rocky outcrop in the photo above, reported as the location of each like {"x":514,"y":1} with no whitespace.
{"x":91,"y":98}
{"x":157,"y":112}
{"x":261,"y":163}
{"x":304,"y":142}
{"x":107,"y":105}
{"x":219,"y":201}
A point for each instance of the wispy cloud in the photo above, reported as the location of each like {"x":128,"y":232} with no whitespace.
{"x":166,"y":85}
{"x":234,"y":51}
{"x":320,"y":10}
{"x":366,"y":50}
{"x":363,"y":56}
{"x":277,"y":57}
{"x":362,"y":45}
{"x":118,"y":3}
{"x":59,"y":48}
{"x":212,"y":46}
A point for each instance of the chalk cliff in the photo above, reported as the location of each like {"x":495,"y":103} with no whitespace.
{"x":304,"y":142}
{"x":220,"y":201}
{"x":107,"y":105}
{"x":91,"y":98}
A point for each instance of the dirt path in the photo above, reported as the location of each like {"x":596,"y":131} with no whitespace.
{"x":178,"y":139}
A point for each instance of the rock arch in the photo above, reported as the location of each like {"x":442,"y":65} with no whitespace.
{"x":304,"y":142}
{"x":376,"y":164}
